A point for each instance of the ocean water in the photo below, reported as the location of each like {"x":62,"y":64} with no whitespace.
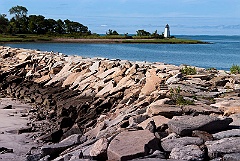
{"x":222,"y":53}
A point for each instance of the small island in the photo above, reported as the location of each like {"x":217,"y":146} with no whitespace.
{"x":36,"y":28}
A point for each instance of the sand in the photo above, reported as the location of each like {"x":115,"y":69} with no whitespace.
{"x":10,"y":121}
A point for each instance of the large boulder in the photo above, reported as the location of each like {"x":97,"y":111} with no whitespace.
{"x":184,"y":125}
{"x":224,"y":146}
{"x":132,"y":144}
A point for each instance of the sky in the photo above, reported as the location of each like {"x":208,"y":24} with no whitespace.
{"x":185,"y":17}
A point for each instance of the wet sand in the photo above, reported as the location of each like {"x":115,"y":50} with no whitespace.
{"x":10,"y":121}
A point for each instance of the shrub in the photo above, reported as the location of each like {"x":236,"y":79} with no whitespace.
{"x":188,"y":70}
{"x":235,"y":69}
{"x":178,"y":98}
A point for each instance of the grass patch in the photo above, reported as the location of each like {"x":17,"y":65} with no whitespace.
{"x":24,"y":38}
{"x":188,"y":70}
{"x":178,"y":98}
{"x":235,"y":69}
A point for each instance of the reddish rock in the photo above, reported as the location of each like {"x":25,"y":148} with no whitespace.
{"x":132,"y":144}
{"x":99,"y":149}
{"x":161,"y":107}
{"x":159,"y":121}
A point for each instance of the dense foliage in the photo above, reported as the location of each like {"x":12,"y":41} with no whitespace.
{"x":20,"y":23}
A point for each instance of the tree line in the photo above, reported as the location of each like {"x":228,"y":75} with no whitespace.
{"x":20,"y":23}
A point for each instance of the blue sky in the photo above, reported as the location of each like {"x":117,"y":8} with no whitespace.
{"x":188,"y":17}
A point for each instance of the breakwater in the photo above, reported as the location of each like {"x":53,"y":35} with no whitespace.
{"x":92,"y":108}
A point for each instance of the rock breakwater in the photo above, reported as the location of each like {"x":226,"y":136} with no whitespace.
{"x":100,"y":109}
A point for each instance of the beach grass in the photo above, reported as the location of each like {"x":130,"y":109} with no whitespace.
{"x":24,"y":38}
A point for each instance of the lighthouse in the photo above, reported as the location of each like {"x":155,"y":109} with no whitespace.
{"x":167,"y":31}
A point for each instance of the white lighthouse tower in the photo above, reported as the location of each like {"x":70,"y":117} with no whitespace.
{"x":167,"y":31}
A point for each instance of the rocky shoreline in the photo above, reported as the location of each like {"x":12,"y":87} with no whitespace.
{"x":100,"y":109}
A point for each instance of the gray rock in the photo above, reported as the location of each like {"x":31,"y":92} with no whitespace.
{"x":157,"y":154}
{"x":132,"y":144}
{"x":54,"y":149}
{"x":174,"y":79}
{"x":189,"y":152}
{"x":184,"y":125}
{"x":34,"y":157}
{"x":236,"y":120}
{"x":224,"y":146}
{"x":169,"y":144}
{"x":74,"y":130}
{"x":232,"y":157}
{"x":227,"y":134}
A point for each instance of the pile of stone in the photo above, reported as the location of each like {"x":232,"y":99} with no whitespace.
{"x":101,"y":109}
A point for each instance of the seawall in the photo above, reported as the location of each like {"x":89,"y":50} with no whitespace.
{"x":96,"y":100}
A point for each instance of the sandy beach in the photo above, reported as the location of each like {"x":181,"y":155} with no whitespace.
{"x":12,"y":119}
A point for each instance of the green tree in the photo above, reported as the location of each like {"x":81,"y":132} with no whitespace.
{"x":155,"y":35}
{"x":72,"y":27}
{"x":50,"y":25}
{"x":19,"y":23}
{"x":37,"y":24}
{"x":111,"y":32}
{"x":18,"y":11}
{"x":3,"y":23}
{"x":60,"y":27}
{"x":143,"y":33}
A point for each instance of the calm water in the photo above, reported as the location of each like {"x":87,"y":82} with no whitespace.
{"x":222,"y":54}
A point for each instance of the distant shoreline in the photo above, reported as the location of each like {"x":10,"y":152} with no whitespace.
{"x":115,"y":41}
{"x":90,"y":40}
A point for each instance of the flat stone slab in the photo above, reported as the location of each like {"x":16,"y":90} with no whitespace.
{"x":161,"y":107}
{"x":132,"y":144}
{"x":227,"y":134}
{"x":184,"y":125}
{"x":224,"y":146}
{"x":57,"y":148}
{"x":169,"y":144}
